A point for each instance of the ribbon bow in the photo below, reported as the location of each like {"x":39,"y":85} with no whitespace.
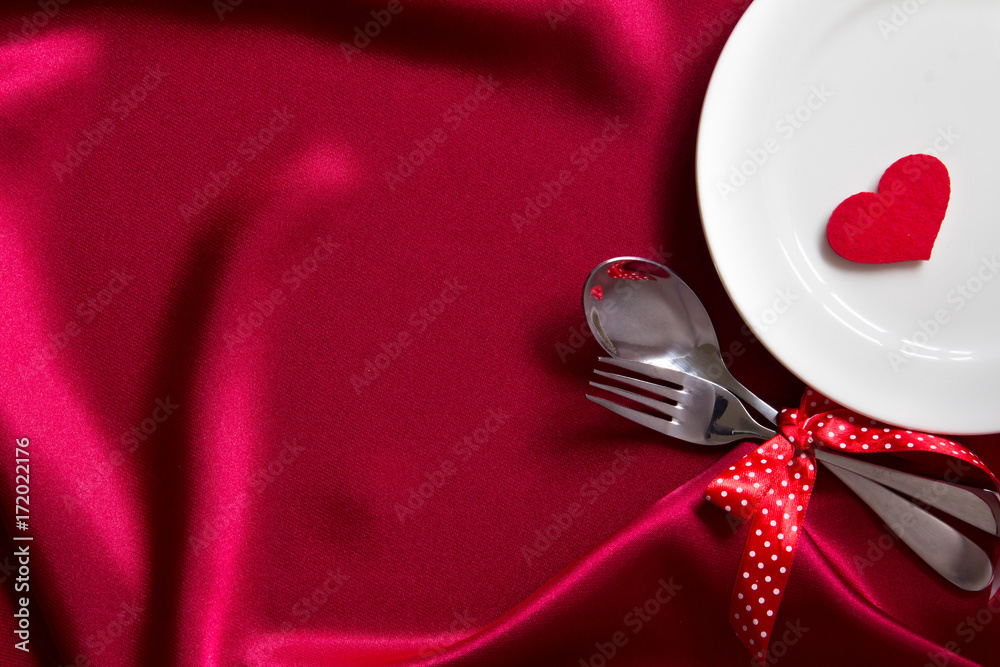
{"x":773,"y":484}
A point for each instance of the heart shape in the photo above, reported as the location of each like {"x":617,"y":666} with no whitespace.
{"x":901,"y":221}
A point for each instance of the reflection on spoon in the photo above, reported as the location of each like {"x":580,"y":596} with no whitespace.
{"x":640,"y":310}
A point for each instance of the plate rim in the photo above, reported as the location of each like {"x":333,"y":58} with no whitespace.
{"x":750,"y":24}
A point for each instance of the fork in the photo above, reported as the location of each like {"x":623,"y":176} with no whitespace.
{"x":702,"y":412}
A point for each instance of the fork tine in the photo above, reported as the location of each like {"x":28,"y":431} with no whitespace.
{"x":674,"y":395}
{"x":670,"y":375}
{"x":649,"y":421}
{"x":659,"y":406}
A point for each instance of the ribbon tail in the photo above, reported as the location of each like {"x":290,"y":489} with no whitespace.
{"x":771,"y":487}
{"x":760,"y":584}
{"x":770,"y":548}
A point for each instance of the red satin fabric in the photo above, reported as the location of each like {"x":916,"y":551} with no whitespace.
{"x":294,"y":333}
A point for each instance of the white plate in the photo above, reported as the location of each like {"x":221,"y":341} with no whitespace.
{"x":825,"y":95}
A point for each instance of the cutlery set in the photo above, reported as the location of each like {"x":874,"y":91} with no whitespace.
{"x":655,"y":328}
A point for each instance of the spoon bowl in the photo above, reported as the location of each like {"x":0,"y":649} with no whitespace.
{"x":640,"y":310}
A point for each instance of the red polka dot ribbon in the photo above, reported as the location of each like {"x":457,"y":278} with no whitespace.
{"x":772,"y":485}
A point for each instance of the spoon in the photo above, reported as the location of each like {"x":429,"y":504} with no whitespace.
{"x":640,"y":310}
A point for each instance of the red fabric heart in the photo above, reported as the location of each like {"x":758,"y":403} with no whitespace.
{"x":900,"y":222}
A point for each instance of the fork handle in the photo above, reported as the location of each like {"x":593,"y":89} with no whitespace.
{"x":745,"y":428}
{"x":732,"y":384}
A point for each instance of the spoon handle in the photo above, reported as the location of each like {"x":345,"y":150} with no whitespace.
{"x":976,"y":507}
{"x":951,"y":554}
